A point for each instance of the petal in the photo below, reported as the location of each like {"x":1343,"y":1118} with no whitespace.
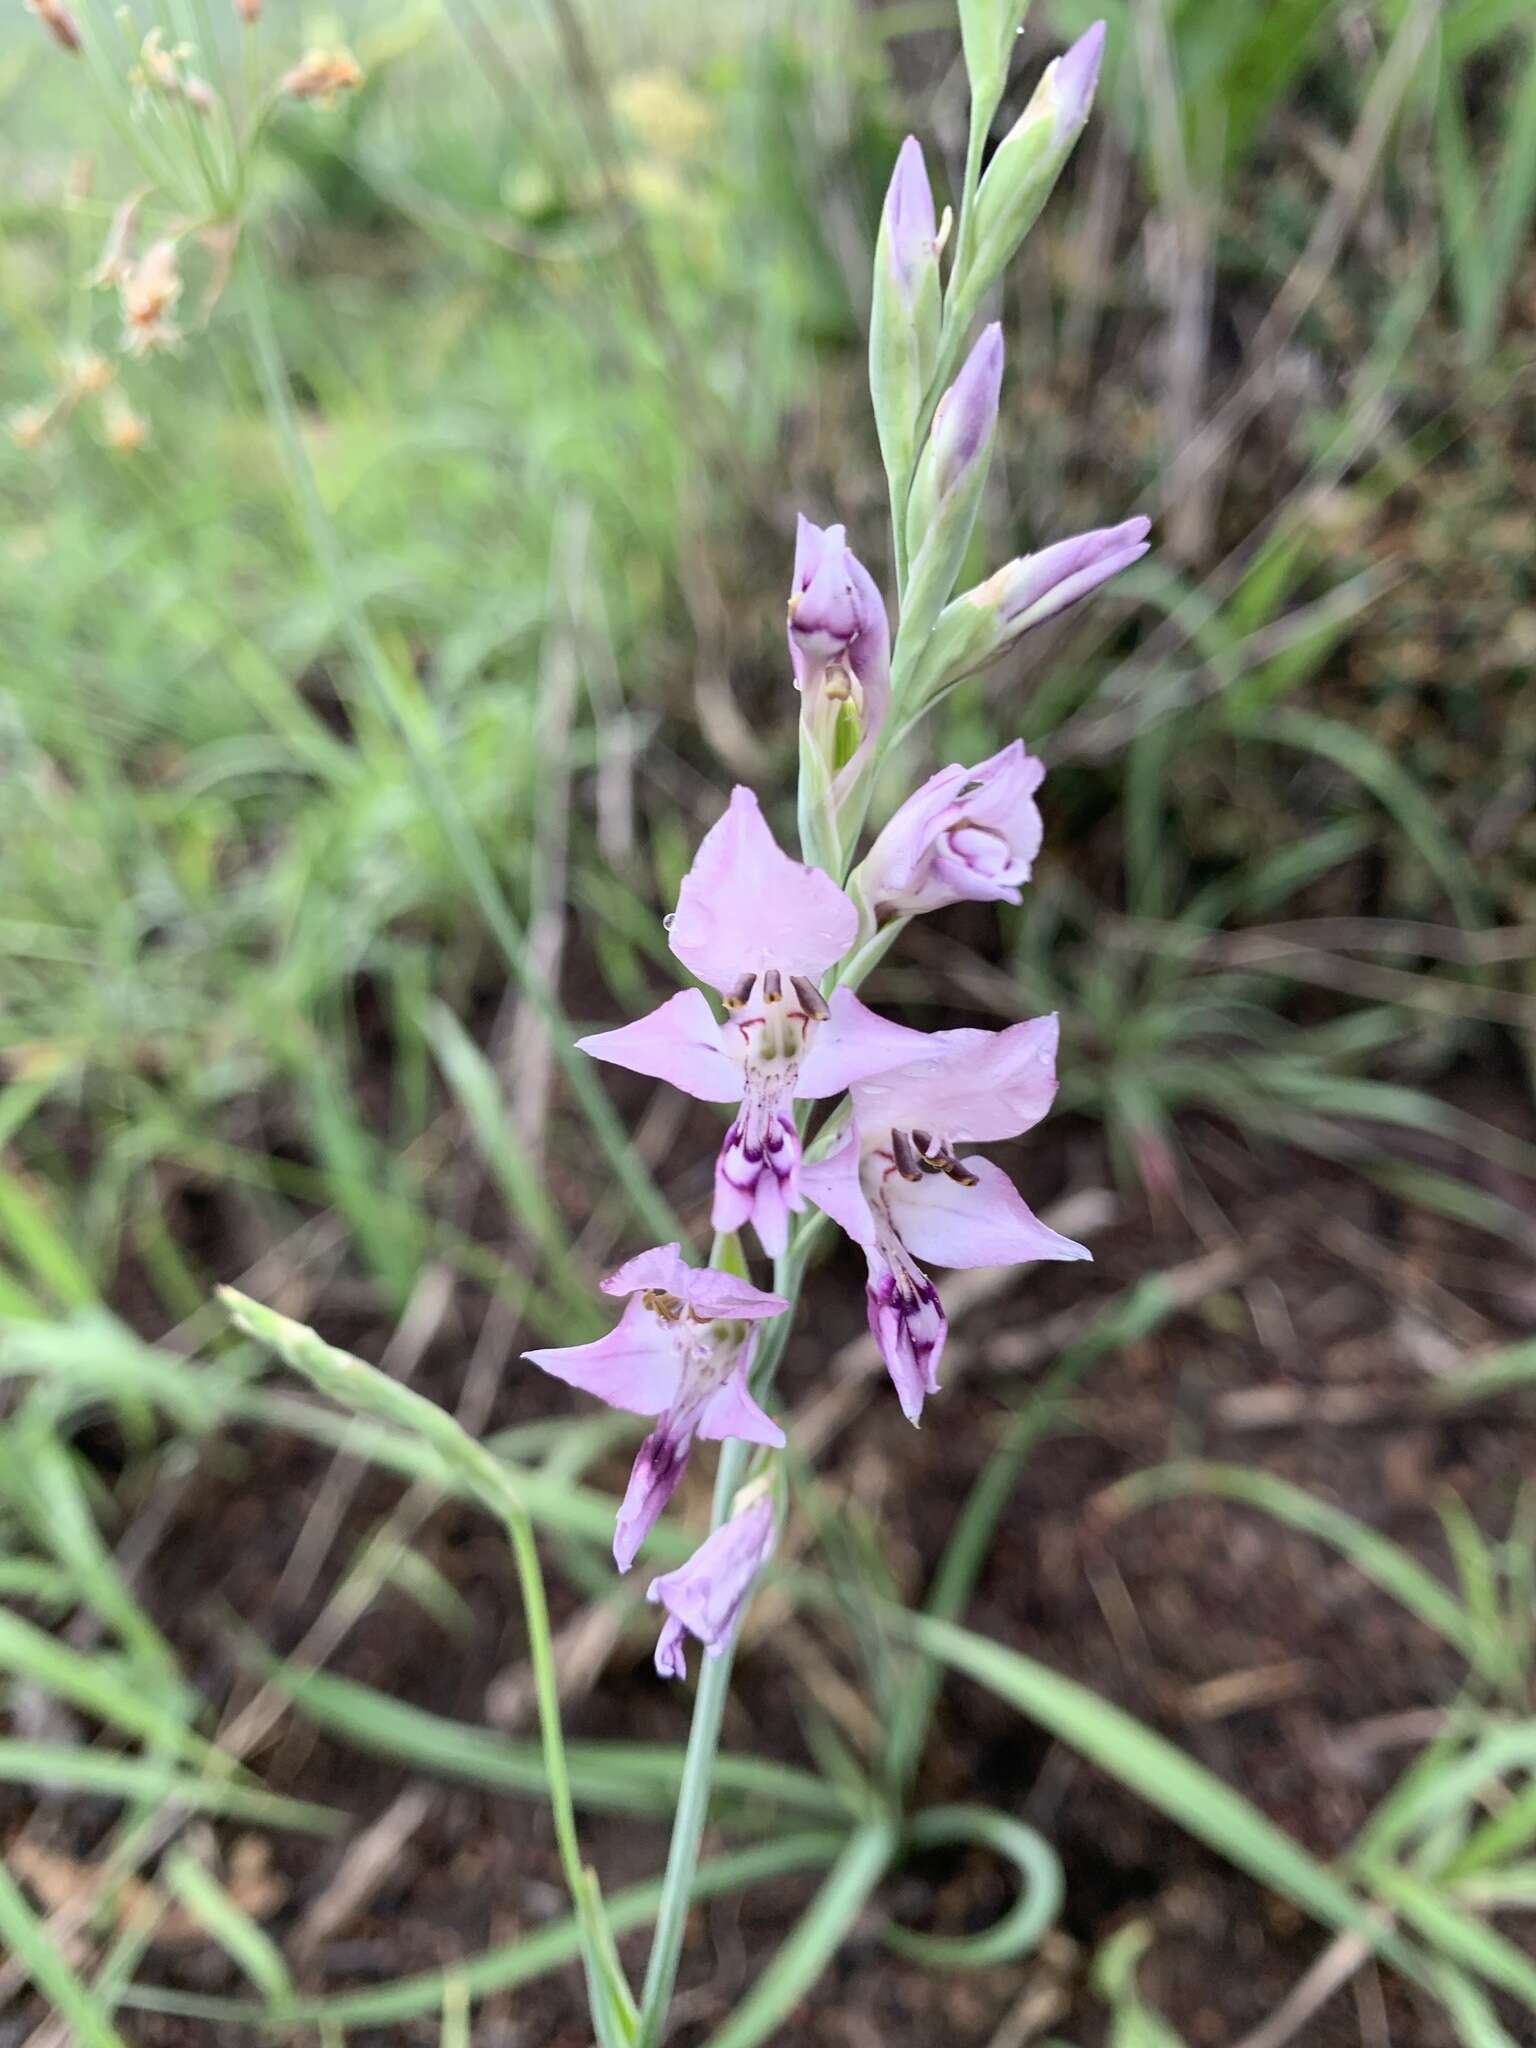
{"x":654,"y":1477}
{"x":716,"y":1295}
{"x":733,"y":1412}
{"x":706,"y":1593}
{"x":663,"y":1268}
{"x":745,"y":906}
{"x":679,"y":1042}
{"x":972,"y":1084}
{"x":851,"y":1043}
{"x":670,"y":1660}
{"x":907,"y":1322}
{"x":833,"y":1184}
{"x":988,"y":1225}
{"x":634,"y":1367}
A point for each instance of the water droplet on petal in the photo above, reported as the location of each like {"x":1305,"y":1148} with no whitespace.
{"x":669,"y":920}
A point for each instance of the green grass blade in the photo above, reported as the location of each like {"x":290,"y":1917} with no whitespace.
{"x":247,"y":1944}
{"x":1155,"y":1770}
{"x":1457,"y":1934}
{"x":517,"y":1962}
{"x":110,"y":1776}
{"x":70,"y":1999}
{"x":813,"y":1941}
{"x":1385,"y":1563}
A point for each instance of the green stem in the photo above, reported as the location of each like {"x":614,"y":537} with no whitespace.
{"x":406,"y":716}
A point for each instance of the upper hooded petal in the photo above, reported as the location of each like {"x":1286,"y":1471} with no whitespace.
{"x":969,"y":1084}
{"x":988,"y":1225}
{"x":635,"y":1367}
{"x":850,"y":1043}
{"x":678,"y":1042}
{"x":713,"y":1295}
{"x":744,"y":905}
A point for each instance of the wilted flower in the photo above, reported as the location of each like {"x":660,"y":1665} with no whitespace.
{"x":969,"y":834}
{"x":58,"y":21}
{"x":839,"y":639}
{"x":320,"y":75}
{"x":148,"y":291}
{"x":678,"y":1352}
{"x":704,"y":1597}
{"x":761,"y":928}
{"x":983,"y":623}
{"x":898,"y":1187}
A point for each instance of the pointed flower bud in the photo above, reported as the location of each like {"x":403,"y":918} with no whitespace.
{"x":839,"y":644}
{"x":704,"y":1597}
{"x":987,"y":30}
{"x":1024,"y":593}
{"x":904,"y":310}
{"x":968,"y":835}
{"x":946,"y":491}
{"x":1027,"y":163}
{"x":58,"y":21}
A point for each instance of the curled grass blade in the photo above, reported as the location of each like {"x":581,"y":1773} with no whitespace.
{"x":1027,"y":1920}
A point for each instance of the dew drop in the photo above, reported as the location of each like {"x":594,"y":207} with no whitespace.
{"x":669,"y":920}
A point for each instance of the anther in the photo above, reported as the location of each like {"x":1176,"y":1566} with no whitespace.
{"x":959,"y":1174}
{"x":907,"y":1163}
{"x":811,"y":999}
{"x":662,"y":1304}
{"x":741,"y":994}
{"x":773,"y":985}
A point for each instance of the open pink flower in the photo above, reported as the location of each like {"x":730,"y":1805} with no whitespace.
{"x":762,"y":929}
{"x":967,"y":834}
{"x":705,"y":1596}
{"x":678,"y":1353}
{"x":899,"y":1189}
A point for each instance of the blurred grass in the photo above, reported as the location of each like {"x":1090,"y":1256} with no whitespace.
{"x":251,"y":1019}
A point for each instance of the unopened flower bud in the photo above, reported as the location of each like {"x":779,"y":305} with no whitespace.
{"x":249,"y":11}
{"x":58,"y":21}
{"x":125,"y":428}
{"x":839,"y":642}
{"x":86,"y":373}
{"x":969,"y":834}
{"x":987,"y":30}
{"x":320,"y":75}
{"x":1027,"y":163}
{"x":904,"y":310}
{"x":984,"y":622}
{"x":28,"y":425}
{"x":946,"y":490}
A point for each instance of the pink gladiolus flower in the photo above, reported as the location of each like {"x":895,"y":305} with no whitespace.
{"x":967,"y":834}
{"x":704,"y":1597}
{"x":839,"y":637}
{"x":898,"y":1188}
{"x":675,"y":1353}
{"x":761,"y":928}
